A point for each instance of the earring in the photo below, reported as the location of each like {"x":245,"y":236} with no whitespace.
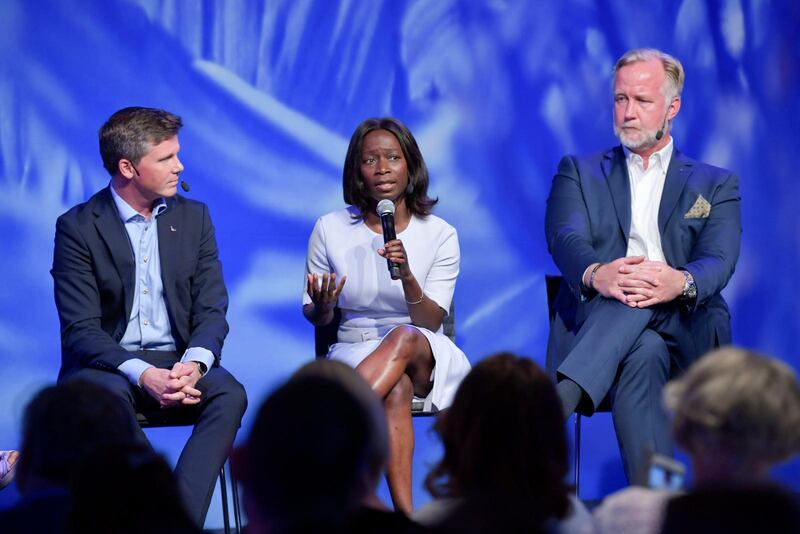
{"x":409,"y":188}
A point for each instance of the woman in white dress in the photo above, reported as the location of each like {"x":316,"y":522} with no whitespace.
{"x":391,"y":330}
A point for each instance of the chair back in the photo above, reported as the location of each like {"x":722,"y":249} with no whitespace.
{"x":553,"y":284}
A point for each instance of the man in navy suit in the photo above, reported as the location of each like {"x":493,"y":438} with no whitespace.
{"x":646,"y":239}
{"x":141,"y":299}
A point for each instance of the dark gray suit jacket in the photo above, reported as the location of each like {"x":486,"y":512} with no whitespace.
{"x":93,"y":271}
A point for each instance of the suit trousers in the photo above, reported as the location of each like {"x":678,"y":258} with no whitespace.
{"x":219,"y":414}
{"x":626,"y":355}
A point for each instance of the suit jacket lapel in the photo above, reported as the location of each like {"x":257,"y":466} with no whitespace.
{"x":616,"y":172}
{"x":678,"y":172}
{"x":112,"y":231}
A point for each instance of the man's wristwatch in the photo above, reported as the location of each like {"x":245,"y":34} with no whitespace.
{"x":689,"y":287}
{"x":201,"y":367}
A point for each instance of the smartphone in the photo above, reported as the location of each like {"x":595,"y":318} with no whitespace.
{"x":665,"y":473}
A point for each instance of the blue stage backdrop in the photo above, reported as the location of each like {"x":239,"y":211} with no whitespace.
{"x":496,"y":91}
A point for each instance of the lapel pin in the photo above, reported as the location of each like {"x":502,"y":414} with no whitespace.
{"x":172,"y":228}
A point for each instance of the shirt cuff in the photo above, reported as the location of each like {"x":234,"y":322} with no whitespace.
{"x":199,"y":354}
{"x":133,"y":369}
{"x":585,"y":272}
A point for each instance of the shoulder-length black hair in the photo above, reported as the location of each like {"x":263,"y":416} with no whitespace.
{"x":355,"y":194}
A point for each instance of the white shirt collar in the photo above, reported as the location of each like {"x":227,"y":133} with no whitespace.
{"x":126,"y":212}
{"x":660,"y":158}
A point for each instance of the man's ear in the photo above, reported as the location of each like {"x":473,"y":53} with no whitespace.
{"x":674,"y":108}
{"x":126,"y":169}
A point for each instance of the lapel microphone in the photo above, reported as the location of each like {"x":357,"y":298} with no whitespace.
{"x":385,"y":211}
{"x":660,"y":133}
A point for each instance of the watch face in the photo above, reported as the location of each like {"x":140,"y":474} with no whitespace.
{"x":689,"y":288}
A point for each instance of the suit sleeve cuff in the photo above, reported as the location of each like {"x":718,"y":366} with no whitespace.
{"x":133,"y":369}
{"x":199,"y":354}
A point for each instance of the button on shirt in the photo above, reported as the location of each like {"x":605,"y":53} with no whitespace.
{"x":646,"y":188}
{"x":148,"y":325}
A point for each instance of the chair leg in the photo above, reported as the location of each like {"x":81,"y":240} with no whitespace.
{"x":223,"y":489}
{"x":237,"y":515}
{"x":576,"y":460}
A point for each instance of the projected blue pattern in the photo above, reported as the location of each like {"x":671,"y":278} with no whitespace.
{"x":495,"y":91}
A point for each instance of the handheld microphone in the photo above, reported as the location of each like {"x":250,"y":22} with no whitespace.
{"x":185,"y":186}
{"x":385,"y":211}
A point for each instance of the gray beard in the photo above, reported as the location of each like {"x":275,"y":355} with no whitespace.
{"x":647,"y":141}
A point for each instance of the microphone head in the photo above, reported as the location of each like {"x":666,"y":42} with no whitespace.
{"x":385,"y":207}
{"x":185,"y":186}
{"x":660,"y":132}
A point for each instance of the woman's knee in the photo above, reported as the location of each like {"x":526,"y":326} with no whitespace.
{"x":415,"y":345}
{"x":404,"y":336}
{"x":404,"y":341}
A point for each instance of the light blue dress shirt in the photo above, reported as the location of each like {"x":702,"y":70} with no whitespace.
{"x":148,"y":325}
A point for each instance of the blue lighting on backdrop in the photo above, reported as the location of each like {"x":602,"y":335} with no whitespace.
{"x":495,"y":92}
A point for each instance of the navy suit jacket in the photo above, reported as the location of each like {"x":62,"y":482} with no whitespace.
{"x":93,"y":271}
{"x":588,"y":220}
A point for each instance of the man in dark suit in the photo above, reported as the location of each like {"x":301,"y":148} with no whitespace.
{"x":141,"y":299}
{"x":646,"y":239}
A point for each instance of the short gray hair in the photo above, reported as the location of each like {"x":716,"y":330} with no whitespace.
{"x":739,"y":402}
{"x":675,"y":76}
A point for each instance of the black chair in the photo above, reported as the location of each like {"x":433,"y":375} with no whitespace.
{"x":188,"y":417}
{"x":325,"y":336}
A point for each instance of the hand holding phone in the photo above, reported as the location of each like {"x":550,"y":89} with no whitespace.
{"x":665,"y":473}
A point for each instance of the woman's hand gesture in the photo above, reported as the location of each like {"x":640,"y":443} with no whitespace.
{"x":324,"y":295}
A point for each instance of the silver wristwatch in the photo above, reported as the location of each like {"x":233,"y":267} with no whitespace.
{"x":689,"y":287}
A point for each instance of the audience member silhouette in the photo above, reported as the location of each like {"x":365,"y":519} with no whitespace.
{"x":314,"y":456}
{"x":737,"y":414}
{"x":62,"y":426}
{"x":126,"y":490}
{"x":505,"y":455}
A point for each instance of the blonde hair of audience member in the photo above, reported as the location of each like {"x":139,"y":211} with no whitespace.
{"x":737,"y":413}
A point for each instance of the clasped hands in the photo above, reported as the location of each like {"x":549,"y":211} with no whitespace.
{"x":638,"y":282}
{"x":173,"y":387}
